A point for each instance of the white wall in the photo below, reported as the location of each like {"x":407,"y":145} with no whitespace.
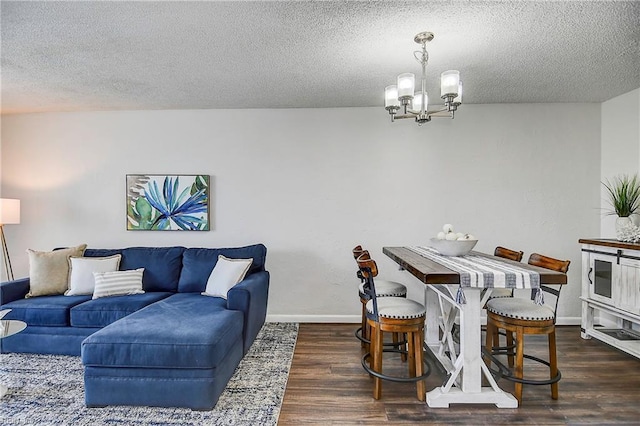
{"x":313,"y":183}
{"x":620,"y":151}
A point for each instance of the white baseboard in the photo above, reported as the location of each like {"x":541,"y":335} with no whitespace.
{"x":568,"y":321}
{"x":355,"y":319}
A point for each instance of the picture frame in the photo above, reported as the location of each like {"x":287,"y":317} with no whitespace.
{"x":168,"y":202}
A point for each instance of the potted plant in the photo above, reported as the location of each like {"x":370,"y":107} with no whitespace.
{"x":624,"y":197}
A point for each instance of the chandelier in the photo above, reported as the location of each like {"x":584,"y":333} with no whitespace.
{"x":415,"y":105}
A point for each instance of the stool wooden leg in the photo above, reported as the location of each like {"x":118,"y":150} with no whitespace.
{"x":553,"y":361}
{"x":376,"y":342}
{"x":397,"y":337}
{"x":412,"y":355}
{"x":403,"y":336}
{"x":496,"y":336}
{"x":371,"y":348}
{"x":489,"y":342}
{"x":519,"y":369}
{"x":418,"y":338}
{"x":509,"y":345}
{"x":365,"y":327}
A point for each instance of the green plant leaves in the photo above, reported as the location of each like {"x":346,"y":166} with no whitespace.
{"x":624,"y":194}
{"x":142,"y":213}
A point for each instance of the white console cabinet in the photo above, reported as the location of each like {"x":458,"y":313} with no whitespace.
{"x":611,"y":290}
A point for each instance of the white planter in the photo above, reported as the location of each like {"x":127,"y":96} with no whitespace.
{"x":625,"y":229}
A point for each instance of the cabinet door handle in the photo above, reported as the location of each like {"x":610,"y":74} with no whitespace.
{"x":589,"y":275}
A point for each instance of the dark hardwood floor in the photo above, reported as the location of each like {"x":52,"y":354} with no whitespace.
{"x":327,"y":386}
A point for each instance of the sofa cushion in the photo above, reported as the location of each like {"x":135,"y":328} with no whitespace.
{"x":48,"y":311}
{"x":197,"y":264}
{"x":105,"y":310}
{"x":161,"y":265}
{"x":181,"y":331}
{"x":101,"y":252}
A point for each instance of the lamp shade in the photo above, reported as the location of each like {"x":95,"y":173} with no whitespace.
{"x":406,"y":85}
{"x":449,"y":83}
{"x":391,"y":96}
{"x":458,"y":99}
{"x":9,"y":211}
{"x":416,"y":103}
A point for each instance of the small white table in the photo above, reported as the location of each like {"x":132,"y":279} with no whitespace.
{"x":9,"y":328}
{"x":464,"y":363}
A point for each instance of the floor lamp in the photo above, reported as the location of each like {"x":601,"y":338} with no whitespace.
{"x":9,"y":215}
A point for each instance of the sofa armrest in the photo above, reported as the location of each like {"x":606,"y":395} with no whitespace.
{"x":13,"y":290}
{"x":250,"y":297}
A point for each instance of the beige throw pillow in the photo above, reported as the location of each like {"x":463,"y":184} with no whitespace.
{"x":49,"y":270}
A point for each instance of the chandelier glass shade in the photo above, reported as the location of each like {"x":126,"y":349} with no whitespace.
{"x":403,"y":101}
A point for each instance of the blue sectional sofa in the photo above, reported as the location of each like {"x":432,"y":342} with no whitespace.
{"x":170,"y":346}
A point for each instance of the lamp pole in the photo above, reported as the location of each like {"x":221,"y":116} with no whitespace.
{"x":5,"y":255}
{"x":9,"y":215}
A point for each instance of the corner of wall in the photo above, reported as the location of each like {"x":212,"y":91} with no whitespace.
{"x":619,"y":145}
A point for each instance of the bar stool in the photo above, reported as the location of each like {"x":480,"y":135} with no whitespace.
{"x":516,"y":256}
{"x":506,"y":253}
{"x":384,"y":288}
{"x":395,"y":315}
{"x":522,"y":317}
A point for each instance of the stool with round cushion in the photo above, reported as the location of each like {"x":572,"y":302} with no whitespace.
{"x":506,"y":253}
{"x":516,"y":256}
{"x":522,"y":317}
{"x":395,"y":315}
{"x":384,"y":288}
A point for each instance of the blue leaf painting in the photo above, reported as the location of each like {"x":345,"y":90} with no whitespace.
{"x":168,"y":202}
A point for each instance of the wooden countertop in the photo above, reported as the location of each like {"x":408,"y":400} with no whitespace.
{"x":430,"y":272}
{"x":610,"y":243}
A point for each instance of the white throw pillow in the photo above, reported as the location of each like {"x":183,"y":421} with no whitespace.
{"x":118,"y":283}
{"x":81,"y":269}
{"x":226,"y":274}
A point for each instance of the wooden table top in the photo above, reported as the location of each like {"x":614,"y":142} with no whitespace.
{"x":430,"y":272}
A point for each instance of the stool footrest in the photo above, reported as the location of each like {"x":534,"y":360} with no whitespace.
{"x":358,"y":334}
{"x":505,"y":373}
{"x":383,"y":376}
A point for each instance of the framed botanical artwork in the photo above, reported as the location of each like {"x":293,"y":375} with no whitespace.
{"x":168,"y":202}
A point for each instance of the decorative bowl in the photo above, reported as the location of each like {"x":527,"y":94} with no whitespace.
{"x":453,"y":247}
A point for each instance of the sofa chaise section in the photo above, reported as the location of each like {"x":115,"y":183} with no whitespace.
{"x":250,"y":296}
{"x":180,"y":351}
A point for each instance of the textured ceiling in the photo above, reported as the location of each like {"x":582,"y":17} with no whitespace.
{"x":103,"y":55}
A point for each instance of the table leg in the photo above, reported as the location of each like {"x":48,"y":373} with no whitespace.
{"x":471,"y":390}
{"x":432,"y":328}
{"x":470,"y":348}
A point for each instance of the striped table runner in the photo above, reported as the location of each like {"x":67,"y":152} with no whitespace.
{"x":483,"y":272}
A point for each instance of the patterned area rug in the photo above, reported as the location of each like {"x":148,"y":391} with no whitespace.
{"x":49,"y":390}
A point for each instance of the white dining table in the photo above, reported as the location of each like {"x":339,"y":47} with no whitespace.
{"x":447,"y":298}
